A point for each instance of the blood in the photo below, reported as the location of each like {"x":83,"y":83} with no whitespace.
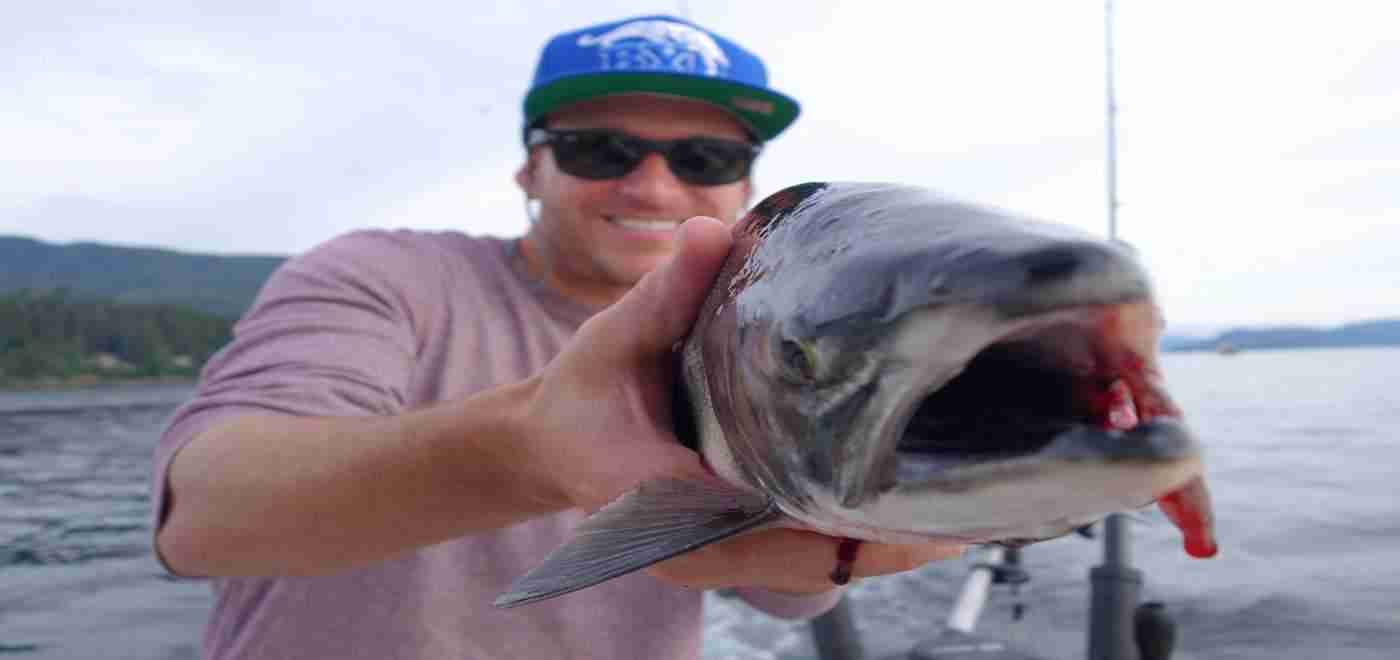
{"x":1122,"y":392}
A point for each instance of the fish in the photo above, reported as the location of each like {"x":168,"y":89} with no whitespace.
{"x":880,"y":362}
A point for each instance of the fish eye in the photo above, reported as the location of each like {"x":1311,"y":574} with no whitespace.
{"x":798,"y":359}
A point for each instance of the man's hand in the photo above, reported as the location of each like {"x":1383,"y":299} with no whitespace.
{"x":604,"y":404}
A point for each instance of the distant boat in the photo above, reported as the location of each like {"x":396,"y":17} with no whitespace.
{"x":1226,"y":348}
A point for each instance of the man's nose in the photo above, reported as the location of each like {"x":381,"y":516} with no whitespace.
{"x":652,"y":182}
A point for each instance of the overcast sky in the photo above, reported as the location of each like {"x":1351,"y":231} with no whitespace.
{"x":1259,"y":161}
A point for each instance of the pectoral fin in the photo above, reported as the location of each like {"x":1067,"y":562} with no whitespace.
{"x":655,"y":522}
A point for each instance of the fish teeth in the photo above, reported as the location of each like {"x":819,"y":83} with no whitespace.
{"x":1122,"y":410}
{"x":646,"y":224}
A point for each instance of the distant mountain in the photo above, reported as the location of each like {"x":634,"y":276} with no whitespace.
{"x":1383,"y":332}
{"x":226,"y":285}
{"x":1177,"y":342}
{"x":222,"y":285}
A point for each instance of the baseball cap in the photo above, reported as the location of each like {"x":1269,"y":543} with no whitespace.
{"x":657,"y":55}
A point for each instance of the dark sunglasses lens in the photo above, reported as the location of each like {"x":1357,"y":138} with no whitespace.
{"x":596,"y":155}
{"x":709,"y":162}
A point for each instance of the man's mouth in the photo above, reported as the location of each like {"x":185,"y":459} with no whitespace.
{"x":644,"y":224}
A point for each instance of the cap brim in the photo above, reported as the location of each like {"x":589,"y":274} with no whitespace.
{"x":765,"y":112}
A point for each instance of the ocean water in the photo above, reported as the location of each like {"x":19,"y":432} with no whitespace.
{"x":1304,"y":462}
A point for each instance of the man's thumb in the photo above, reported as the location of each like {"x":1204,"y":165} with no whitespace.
{"x":662,"y":307}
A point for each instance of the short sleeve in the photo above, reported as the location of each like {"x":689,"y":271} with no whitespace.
{"x":333,"y":332}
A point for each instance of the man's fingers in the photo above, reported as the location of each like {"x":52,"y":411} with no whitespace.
{"x":660,"y":310}
{"x":882,"y":559}
{"x":782,"y":559}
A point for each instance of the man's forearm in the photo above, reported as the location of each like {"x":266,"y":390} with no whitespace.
{"x":266,"y":495}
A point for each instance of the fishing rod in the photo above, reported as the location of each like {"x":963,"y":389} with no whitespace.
{"x":1120,"y":628}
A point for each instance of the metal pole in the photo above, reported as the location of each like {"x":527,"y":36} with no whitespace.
{"x":967,"y":609}
{"x":1117,"y":551}
{"x":1114,"y":598}
{"x":834,"y":633}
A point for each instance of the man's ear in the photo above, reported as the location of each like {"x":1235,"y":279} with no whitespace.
{"x":748,"y":196}
{"x":525,"y":176}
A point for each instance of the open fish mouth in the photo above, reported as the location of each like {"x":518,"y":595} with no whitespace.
{"x":1071,"y":387}
{"x":1056,"y":422}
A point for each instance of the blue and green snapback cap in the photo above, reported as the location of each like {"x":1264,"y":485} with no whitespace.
{"x":657,"y":55}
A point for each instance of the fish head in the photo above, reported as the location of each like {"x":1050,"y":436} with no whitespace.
{"x":894,"y":365}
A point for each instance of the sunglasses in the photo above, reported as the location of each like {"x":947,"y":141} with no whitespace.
{"x":603,"y":154}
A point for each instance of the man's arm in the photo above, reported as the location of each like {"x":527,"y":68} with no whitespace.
{"x":274,"y":494}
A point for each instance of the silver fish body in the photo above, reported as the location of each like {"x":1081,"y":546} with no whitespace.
{"x":882,"y":363}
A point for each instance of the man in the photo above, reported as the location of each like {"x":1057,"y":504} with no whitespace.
{"x":407,"y":421}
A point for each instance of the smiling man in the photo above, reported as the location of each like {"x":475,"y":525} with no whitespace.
{"x":406,"y":421}
{"x":608,"y":211}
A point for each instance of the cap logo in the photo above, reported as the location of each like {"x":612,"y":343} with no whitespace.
{"x":652,"y":45}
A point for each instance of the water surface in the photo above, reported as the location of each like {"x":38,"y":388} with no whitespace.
{"x":1302,"y":455}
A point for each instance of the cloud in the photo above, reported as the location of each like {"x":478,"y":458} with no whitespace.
{"x":1255,"y":166}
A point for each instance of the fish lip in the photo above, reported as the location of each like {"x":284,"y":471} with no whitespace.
{"x":1158,"y":440}
{"x":1160,"y":457}
{"x":1161,"y":441}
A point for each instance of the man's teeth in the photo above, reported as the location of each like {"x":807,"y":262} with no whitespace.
{"x":643,"y":224}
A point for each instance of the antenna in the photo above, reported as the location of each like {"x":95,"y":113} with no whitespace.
{"x":1112,"y":123}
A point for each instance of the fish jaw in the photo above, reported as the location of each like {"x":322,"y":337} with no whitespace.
{"x":1081,"y":477}
{"x":1088,"y":375}
{"x":1040,"y":505}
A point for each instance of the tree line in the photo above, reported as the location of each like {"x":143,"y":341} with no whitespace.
{"x":54,"y":336}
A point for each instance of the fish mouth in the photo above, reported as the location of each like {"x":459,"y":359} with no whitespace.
{"x":1072,"y":387}
{"x":1048,"y":426}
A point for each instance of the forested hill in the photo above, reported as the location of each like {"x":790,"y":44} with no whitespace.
{"x":221,"y":285}
{"x":53,"y":338}
{"x":226,"y":285}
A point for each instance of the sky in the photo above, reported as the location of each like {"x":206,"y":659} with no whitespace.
{"x":1258,"y":142}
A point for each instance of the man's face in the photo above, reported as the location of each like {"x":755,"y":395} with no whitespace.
{"x":595,"y":239}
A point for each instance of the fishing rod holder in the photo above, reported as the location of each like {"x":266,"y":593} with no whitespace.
{"x":1007,"y":571}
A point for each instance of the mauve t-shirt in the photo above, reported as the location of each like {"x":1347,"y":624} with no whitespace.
{"x":377,"y":323}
